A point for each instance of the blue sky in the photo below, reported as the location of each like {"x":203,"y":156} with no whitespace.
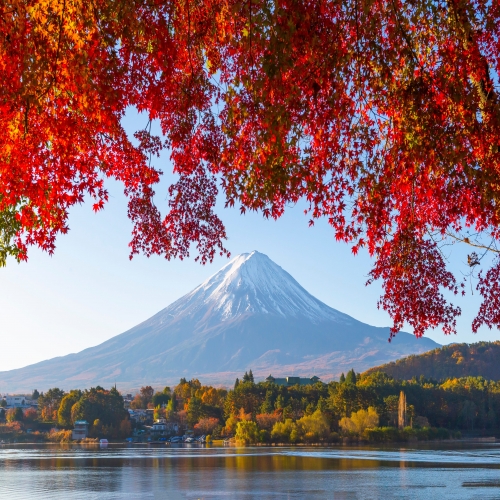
{"x":89,"y":290}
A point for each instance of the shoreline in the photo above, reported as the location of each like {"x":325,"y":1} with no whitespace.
{"x":221,"y":444}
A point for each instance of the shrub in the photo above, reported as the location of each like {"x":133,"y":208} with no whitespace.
{"x":391,"y":434}
{"x":313,"y":428}
{"x":359,"y":421}
{"x":264,"y":436}
{"x":60,"y":436}
{"x":285,"y":432}
{"x":382,"y":434}
{"x":247,"y":432}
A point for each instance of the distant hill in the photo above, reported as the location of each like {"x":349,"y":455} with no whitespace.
{"x":455,"y":360}
{"x":251,"y":314}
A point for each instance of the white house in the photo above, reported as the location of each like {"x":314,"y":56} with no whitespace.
{"x":161,"y":427}
{"x":17,"y":401}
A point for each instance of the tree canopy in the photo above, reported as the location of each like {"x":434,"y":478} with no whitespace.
{"x":383,"y":115}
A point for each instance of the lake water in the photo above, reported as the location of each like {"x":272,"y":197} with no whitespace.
{"x":136,"y":472}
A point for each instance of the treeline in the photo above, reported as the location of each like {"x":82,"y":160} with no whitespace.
{"x":451,"y":361}
{"x":358,"y":406}
{"x":103,"y":409}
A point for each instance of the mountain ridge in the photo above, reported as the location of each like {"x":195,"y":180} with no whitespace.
{"x":450,"y":361}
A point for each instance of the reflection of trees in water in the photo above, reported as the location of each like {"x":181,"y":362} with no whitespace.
{"x":302,"y":472}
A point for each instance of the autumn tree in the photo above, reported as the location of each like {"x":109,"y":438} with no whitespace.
{"x":48,"y":404}
{"x":213,"y":397}
{"x":15,"y":414}
{"x":267,"y":420}
{"x":146,"y":393}
{"x":30,"y":416}
{"x":382,"y":115}
{"x":206,"y":425}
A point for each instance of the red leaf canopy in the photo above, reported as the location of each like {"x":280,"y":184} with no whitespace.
{"x":383,"y":114}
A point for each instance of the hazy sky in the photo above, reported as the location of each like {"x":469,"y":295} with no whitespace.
{"x":90,"y":291}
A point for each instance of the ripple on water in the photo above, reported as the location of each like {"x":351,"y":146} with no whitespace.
{"x":134,"y":472}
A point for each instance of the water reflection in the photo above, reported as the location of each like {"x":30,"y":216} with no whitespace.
{"x":119,"y":472}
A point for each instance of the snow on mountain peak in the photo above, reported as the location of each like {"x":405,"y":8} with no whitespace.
{"x":253,"y":283}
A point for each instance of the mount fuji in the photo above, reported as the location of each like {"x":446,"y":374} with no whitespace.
{"x":250,"y":315}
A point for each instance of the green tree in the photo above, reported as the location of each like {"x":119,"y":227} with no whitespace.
{"x":391,"y":404}
{"x":280,"y":402}
{"x":3,"y":403}
{"x":35,"y":394}
{"x":107,"y":406}
{"x":268,"y":404}
{"x":342,"y":378}
{"x":160,"y":398}
{"x":64,"y":411}
{"x":171,"y":404}
{"x":236,"y":383}
{"x":322,"y":405}
{"x":194,"y":410}
{"x":351,"y":377}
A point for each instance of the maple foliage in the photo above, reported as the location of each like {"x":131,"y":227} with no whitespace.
{"x":383,"y":115}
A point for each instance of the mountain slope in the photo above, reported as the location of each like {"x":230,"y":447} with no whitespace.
{"x":250,"y":314}
{"x":451,"y":361}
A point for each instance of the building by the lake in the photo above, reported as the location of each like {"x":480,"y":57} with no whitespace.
{"x":80,"y":430}
{"x":289,"y":381}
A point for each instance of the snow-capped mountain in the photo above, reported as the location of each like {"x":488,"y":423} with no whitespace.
{"x":252,"y":284}
{"x":250,"y":314}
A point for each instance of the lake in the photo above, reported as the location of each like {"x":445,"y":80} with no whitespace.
{"x":454,"y":471}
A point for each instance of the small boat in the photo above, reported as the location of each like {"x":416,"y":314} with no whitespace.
{"x":103,"y":442}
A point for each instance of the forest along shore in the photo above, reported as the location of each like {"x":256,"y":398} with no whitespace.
{"x":357,"y":409}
